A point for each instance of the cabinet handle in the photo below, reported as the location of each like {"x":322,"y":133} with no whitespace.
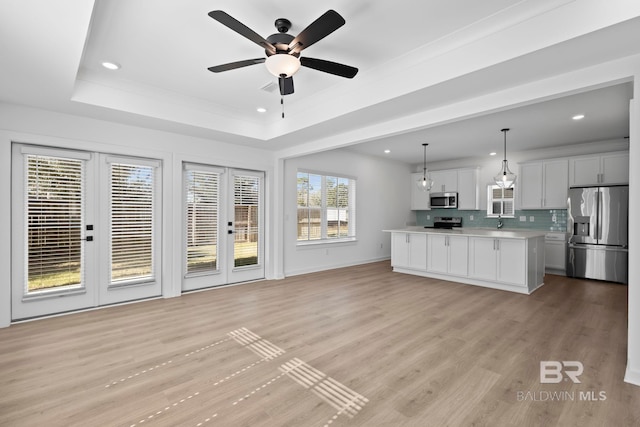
{"x":407,"y":238}
{"x":498,"y":244}
{"x":494,"y":244}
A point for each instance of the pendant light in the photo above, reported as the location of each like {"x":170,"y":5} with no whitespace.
{"x":505,"y":178}
{"x":425,"y":183}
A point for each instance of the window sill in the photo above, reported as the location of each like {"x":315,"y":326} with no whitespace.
{"x":326,"y":242}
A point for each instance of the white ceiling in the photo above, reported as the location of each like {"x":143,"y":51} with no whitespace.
{"x":414,"y":56}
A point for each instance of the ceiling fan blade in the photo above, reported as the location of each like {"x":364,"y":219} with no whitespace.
{"x":237,"y":26}
{"x":317,"y":30}
{"x":234,"y":65}
{"x":286,"y":85}
{"x":329,"y":67}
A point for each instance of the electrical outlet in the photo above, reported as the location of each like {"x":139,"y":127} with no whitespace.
{"x":428,"y":216}
{"x":523,"y":218}
{"x":531,"y":218}
{"x":470,"y":217}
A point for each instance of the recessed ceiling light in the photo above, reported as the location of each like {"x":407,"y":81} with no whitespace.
{"x":387,"y":151}
{"x":493,"y":153}
{"x":111,"y":65}
{"x":261,"y":110}
{"x":578,"y":117}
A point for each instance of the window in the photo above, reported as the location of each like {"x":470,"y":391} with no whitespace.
{"x":202,"y":208}
{"x":500,"y":201}
{"x":326,"y":207}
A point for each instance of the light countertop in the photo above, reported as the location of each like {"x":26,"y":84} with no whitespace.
{"x":474,"y":232}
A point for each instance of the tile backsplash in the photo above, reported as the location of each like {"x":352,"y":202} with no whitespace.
{"x":548,"y":220}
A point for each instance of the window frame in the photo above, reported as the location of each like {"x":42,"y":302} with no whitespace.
{"x":491,"y":200}
{"x":324,"y":209}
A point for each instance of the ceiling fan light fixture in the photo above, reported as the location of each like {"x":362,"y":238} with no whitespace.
{"x":282,"y":63}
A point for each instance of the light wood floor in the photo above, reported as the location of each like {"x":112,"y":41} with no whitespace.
{"x":401,"y":350}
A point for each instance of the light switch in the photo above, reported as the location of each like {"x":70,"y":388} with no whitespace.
{"x":531,"y":218}
{"x":523,"y":218}
{"x":470,"y":217}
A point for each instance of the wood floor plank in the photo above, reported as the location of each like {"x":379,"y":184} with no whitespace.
{"x":422,"y":352}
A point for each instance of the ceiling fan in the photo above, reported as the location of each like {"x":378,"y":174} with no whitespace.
{"x":283,"y":50}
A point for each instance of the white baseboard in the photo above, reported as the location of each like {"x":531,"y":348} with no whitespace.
{"x":632,"y":377}
{"x":316,"y":269}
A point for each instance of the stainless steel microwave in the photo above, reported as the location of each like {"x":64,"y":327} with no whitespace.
{"x":444,"y":200}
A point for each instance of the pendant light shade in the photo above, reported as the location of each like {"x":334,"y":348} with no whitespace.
{"x":505,"y":178}
{"x":425,"y":183}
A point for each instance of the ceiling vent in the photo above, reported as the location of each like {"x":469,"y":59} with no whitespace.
{"x":270,"y":87}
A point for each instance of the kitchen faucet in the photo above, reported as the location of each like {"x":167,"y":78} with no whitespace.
{"x":500,"y":224}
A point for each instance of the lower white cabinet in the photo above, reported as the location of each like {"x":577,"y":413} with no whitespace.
{"x":507,"y":260}
{"x":409,"y":250}
{"x":448,"y":254}
{"x":502,"y":260}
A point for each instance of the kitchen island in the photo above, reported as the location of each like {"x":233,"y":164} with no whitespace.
{"x":510,"y":260}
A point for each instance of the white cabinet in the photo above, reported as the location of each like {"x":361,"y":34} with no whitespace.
{"x":445,"y":181}
{"x":502,"y":260}
{"x":468,"y":192}
{"x":555,"y":253}
{"x":419,"y":198}
{"x":544,"y":184}
{"x":448,"y":254}
{"x":409,"y":250}
{"x":611,"y":168}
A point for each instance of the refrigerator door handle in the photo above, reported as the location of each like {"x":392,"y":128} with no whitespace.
{"x":600,"y":212}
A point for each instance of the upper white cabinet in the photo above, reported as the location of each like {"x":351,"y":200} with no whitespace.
{"x":544,"y":184}
{"x":602,"y":169}
{"x":445,"y":181}
{"x":419,"y":198}
{"x":462,"y":181}
{"x":468,"y":191}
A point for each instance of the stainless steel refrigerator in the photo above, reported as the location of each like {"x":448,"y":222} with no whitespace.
{"x":597,"y":225}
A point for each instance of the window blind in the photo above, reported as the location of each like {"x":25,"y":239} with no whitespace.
{"x":326,"y":207}
{"x":247,"y":195}
{"x":55,"y":213}
{"x":132,"y":222}
{"x":202,"y":210}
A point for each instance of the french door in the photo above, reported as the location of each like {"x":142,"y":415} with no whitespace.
{"x":224,"y":222}
{"x":86,"y":230}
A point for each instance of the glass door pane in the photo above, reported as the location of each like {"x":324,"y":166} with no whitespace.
{"x":132,"y":218}
{"x":246,"y":220}
{"x":202,"y":212}
{"x":55,"y":212}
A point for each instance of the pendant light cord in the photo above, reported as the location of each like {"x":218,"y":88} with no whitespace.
{"x":424,"y":164}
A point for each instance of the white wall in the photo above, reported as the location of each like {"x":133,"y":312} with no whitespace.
{"x":34,"y":126}
{"x":382,"y":202}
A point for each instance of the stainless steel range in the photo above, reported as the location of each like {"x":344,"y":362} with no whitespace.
{"x":446,"y":222}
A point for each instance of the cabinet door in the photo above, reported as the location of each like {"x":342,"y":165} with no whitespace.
{"x":615,"y":168}
{"x":555,"y":255}
{"x":458,"y":255}
{"x":438,"y":253}
{"x":419,"y":198}
{"x":399,"y":250}
{"x":512,"y":267}
{"x":418,"y":251}
{"x":556,"y":184}
{"x":584,"y":171}
{"x":482,"y":255}
{"x":445,"y":181}
{"x":530,"y":182}
{"x":468,"y":189}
